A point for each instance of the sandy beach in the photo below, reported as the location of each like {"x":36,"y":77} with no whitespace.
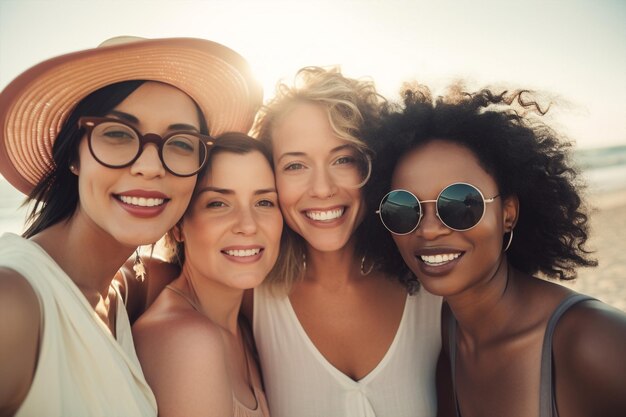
{"x":607,"y":281}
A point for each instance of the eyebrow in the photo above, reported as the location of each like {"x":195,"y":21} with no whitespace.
{"x":134,"y":120}
{"x":227,"y":191}
{"x":335,"y":149}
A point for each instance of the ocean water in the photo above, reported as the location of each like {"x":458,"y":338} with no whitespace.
{"x":603,"y":169}
{"x":12,"y":215}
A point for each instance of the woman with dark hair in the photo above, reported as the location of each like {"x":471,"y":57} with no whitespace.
{"x":483,"y":204}
{"x":191,"y":342}
{"x":107,"y":143}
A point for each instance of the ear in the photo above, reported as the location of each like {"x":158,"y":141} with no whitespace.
{"x":510,"y":212}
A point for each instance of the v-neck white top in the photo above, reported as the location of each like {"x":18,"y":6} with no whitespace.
{"x":82,"y":370}
{"x":300,"y":382}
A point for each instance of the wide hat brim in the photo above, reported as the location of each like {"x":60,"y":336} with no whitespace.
{"x":34,"y":106}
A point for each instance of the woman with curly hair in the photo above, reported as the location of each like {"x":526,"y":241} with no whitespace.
{"x":337,"y":334}
{"x":483,"y":204}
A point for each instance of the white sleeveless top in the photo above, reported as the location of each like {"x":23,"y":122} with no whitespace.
{"x":82,"y":370}
{"x":300,"y":382}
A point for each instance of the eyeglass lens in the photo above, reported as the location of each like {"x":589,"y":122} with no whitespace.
{"x":116,"y":145}
{"x":459,"y":206}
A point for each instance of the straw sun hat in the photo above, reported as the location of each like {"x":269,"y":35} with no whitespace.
{"x":34,"y":106}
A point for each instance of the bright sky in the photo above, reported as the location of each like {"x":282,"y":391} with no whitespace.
{"x":574,"y":50}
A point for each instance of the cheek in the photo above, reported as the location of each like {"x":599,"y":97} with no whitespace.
{"x":487,"y":238}
{"x":199,"y":239}
{"x":403,"y":244}
{"x":182,"y":190}
{"x":94,"y":180}
{"x":288,"y":194}
{"x":276,"y":229}
{"x":357,"y":196}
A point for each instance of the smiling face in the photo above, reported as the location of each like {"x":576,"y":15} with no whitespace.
{"x":316,"y":183}
{"x":232,"y":230}
{"x":445,"y":261}
{"x":136,"y":205}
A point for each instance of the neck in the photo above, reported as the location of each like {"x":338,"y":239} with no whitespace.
{"x":88,"y":255}
{"x":219,"y":303}
{"x":485,"y":311}
{"x":334,"y":269}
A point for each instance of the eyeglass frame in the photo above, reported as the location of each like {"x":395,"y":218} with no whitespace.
{"x":89,"y":123}
{"x":421,"y":215}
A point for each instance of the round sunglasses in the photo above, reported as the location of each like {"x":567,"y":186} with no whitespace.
{"x":459,"y":206}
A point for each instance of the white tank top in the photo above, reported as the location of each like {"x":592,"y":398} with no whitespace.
{"x":82,"y":370}
{"x":300,"y":382}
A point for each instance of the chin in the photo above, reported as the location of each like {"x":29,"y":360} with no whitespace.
{"x":329,"y":243}
{"x":246,"y":281}
{"x":136,"y":239}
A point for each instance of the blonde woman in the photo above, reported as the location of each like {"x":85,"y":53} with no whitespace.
{"x":337,"y":334}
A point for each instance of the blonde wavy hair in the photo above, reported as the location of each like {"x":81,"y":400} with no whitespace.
{"x":353,"y":107}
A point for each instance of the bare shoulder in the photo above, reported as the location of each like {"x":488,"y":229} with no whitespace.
{"x":591,"y":324}
{"x":182,"y":355}
{"x":160,"y":273}
{"x":19,"y":304}
{"x":13,"y":285}
{"x":180,"y":328}
{"x":589,"y":358}
{"x":19,"y":337}
{"x":140,"y":294}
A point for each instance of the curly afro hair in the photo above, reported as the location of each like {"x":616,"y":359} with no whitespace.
{"x":525,"y":157}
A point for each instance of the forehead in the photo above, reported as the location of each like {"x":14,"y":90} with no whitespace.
{"x":239,"y":171}
{"x":159,"y":103}
{"x":304,"y":128}
{"x":437,"y":164}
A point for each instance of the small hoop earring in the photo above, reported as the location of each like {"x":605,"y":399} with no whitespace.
{"x":508,"y":245}
{"x":303,"y":263}
{"x":363,"y":271}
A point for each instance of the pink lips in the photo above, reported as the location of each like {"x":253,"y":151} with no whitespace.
{"x":142,"y":203}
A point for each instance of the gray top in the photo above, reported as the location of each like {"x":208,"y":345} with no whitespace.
{"x":547,"y":404}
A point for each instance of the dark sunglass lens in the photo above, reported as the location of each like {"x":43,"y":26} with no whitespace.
{"x":460,"y":206}
{"x":400,"y":211}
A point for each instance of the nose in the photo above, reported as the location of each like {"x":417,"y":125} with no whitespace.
{"x":149,"y":163}
{"x":322,"y":184}
{"x":430,"y":226}
{"x":245,"y":222}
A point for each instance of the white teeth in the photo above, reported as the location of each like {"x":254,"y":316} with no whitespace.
{"x":243,"y":252}
{"x":142,"y":201}
{"x":325,"y":215}
{"x":439,"y":259}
